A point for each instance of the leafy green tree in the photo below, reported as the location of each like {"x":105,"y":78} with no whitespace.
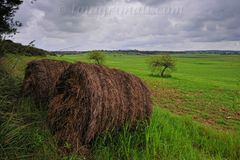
{"x":7,"y":11}
{"x":7,"y":23}
{"x":97,"y":57}
{"x":161,"y":64}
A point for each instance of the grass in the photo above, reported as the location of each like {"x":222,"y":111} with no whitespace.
{"x":23,"y":134}
{"x":203,"y":84}
{"x":197,"y":117}
{"x":168,"y":137}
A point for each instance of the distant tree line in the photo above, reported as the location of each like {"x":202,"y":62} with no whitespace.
{"x":138,"y":52}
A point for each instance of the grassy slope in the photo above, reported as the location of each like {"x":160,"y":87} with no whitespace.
{"x":204,"y":86}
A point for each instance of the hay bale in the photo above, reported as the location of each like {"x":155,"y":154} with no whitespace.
{"x":92,"y":99}
{"x":41,"y":77}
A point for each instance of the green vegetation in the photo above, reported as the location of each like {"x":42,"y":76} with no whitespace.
{"x":7,"y":46}
{"x":168,"y":137}
{"x":8,"y":25}
{"x":206,"y":87}
{"x":23,"y":133}
{"x":97,"y":57}
{"x":198,"y":115}
{"x":159,"y":65}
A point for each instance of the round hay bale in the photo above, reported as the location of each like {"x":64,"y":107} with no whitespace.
{"x":41,"y":77}
{"x":91,"y":99}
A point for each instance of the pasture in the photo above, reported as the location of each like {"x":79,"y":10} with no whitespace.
{"x":196,"y":115}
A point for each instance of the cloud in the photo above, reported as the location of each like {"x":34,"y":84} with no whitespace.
{"x":130,"y":24}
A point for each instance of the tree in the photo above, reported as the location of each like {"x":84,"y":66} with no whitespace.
{"x":98,"y":57}
{"x":7,"y":11}
{"x":7,"y":23}
{"x":162,"y":64}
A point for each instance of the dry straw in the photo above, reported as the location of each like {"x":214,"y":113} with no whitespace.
{"x":41,"y":77}
{"x":92,"y":99}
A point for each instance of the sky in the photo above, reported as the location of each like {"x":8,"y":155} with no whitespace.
{"x":172,"y":25}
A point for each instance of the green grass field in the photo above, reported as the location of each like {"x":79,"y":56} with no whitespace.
{"x":196,"y":114}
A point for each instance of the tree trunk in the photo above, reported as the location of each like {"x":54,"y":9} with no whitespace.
{"x":163,"y":71}
{"x":97,"y":61}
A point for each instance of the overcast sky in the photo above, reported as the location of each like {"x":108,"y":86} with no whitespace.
{"x":130,"y":24}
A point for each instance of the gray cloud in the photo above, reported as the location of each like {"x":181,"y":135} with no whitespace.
{"x":131,"y":24}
